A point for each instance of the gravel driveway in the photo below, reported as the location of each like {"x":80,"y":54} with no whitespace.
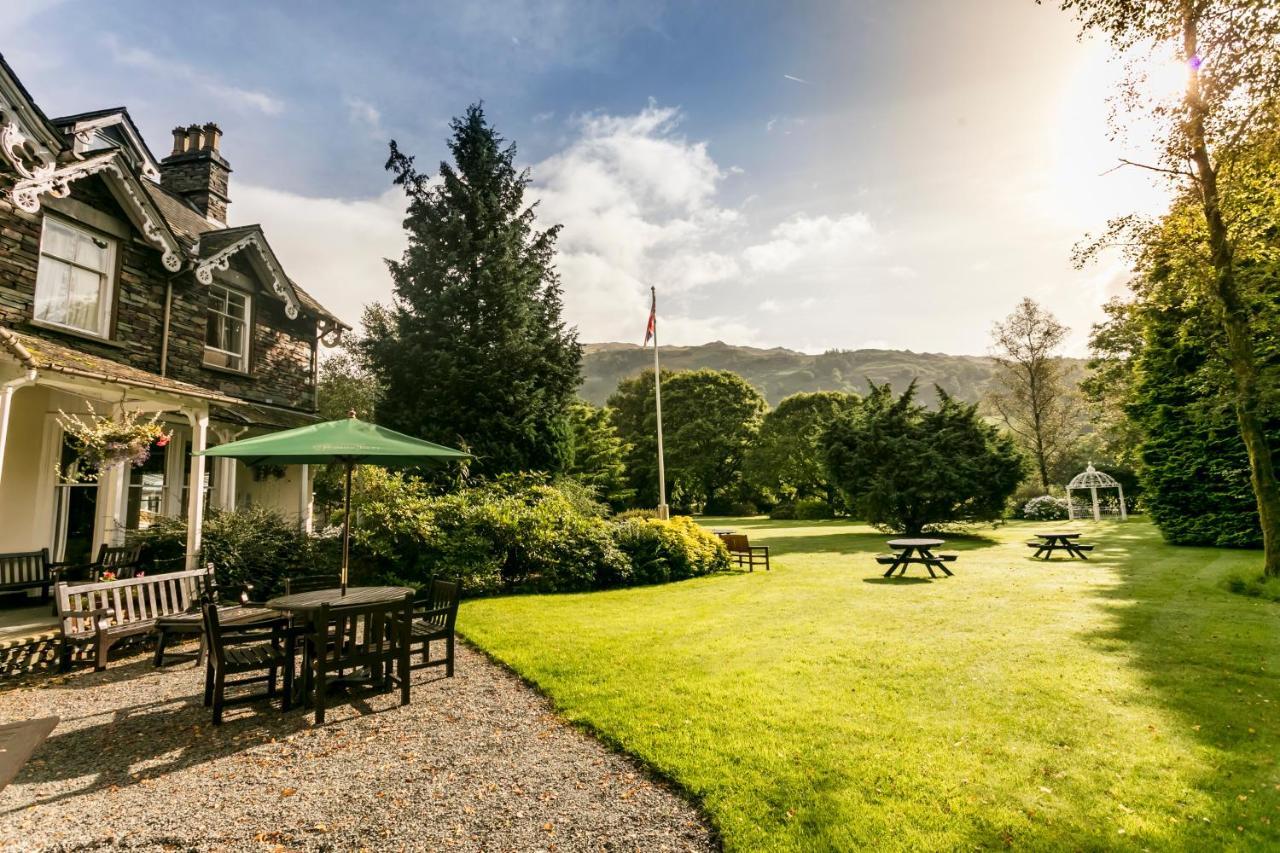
{"x":477,"y":762}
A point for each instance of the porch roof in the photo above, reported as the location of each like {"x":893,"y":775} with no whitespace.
{"x":44,"y":355}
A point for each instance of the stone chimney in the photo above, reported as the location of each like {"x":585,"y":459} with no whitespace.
{"x":196,"y":171}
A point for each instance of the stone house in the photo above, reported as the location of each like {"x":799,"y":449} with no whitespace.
{"x":124,"y":291}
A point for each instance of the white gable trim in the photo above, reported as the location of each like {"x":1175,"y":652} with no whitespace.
{"x":273,"y":273}
{"x":124,"y":185}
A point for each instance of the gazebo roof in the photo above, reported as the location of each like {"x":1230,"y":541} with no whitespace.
{"x":1092,"y":478}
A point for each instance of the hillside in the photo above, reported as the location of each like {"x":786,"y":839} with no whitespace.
{"x":780,"y":372}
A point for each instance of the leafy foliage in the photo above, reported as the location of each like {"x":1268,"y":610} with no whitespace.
{"x":906,"y":468}
{"x":1031,"y":391}
{"x":788,"y":456}
{"x":662,"y":551}
{"x":474,"y":352}
{"x":596,"y":454}
{"x":252,"y":545}
{"x":710,"y":418}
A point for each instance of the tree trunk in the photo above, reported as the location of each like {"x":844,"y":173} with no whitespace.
{"x":1235,"y":314}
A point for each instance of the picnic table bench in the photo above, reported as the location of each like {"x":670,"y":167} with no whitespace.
{"x":1047,"y":543}
{"x":918,"y":552}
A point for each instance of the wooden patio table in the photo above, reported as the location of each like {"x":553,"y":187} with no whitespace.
{"x":303,"y":605}
{"x":1050,"y":542}
{"x":917,"y":551}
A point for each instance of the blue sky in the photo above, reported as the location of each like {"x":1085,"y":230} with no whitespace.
{"x":810,"y":175}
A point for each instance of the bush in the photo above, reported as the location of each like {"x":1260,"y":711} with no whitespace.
{"x":661,"y":551}
{"x":636,"y":513}
{"x":1045,"y":508}
{"x":247,"y":546}
{"x":516,"y":533}
{"x":784,"y":511}
{"x":811,"y":509}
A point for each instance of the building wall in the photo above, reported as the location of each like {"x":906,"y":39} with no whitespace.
{"x":280,"y":371}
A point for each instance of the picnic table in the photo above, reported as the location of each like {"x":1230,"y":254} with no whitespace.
{"x":917,"y":551}
{"x":1047,"y":543}
{"x":304,"y":607}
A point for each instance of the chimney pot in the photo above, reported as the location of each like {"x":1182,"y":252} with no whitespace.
{"x":179,"y":140}
{"x":195,"y":137}
{"x":212,"y":136}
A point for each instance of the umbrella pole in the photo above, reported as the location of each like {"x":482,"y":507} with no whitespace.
{"x":346,"y":529}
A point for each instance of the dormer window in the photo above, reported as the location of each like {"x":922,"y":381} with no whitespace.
{"x":226,"y":340}
{"x":76,"y":278}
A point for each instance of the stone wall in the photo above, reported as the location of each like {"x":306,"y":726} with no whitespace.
{"x":280,"y":372}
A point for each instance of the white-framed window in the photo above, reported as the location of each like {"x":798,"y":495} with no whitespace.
{"x":226,"y":339}
{"x":75,"y":279}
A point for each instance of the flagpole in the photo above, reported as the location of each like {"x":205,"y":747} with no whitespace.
{"x":663,"y":512}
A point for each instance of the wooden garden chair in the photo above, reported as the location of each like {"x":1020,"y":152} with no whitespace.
{"x":263,"y":647}
{"x":744,"y":553}
{"x":434,"y":616}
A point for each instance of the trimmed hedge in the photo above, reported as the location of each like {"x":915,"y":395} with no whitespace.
{"x":661,"y":551}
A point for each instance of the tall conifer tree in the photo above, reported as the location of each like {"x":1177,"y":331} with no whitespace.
{"x":473,"y":350}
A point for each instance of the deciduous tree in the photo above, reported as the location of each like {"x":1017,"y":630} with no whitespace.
{"x":788,"y":457}
{"x":1231,"y":52}
{"x":1031,"y":391}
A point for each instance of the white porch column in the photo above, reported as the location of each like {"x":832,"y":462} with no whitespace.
{"x":195,"y":483}
{"x":225,"y":480}
{"x":112,"y":506}
{"x":173,"y":474}
{"x":304,"y":498}
{"x":6,"y":406}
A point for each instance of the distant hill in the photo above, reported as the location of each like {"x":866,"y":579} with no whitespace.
{"x":780,"y":372}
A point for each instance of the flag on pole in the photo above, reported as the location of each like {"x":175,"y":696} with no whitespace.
{"x":653,"y":320}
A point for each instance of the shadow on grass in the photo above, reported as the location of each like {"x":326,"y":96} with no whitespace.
{"x":899,"y":581}
{"x":1210,"y":658}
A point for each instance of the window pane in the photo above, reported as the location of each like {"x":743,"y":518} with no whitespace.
{"x":234,"y":336}
{"x":213,"y":331}
{"x":59,"y":240}
{"x":53,"y":283}
{"x":235,"y":304}
{"x":84,"y":300}
{"x":92,"y":251}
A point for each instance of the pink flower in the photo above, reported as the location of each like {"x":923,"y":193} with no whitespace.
{"x":162,"y":440}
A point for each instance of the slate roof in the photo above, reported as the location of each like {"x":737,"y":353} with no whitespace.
{"x":42,"y":354}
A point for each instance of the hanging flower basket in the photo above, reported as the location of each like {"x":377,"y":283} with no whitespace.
{"x":103,"y":443}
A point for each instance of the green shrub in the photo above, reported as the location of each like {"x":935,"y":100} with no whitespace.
{"x":785,"y":511}
{"x":247,"y":546}
{"x":811,"y":509}
{"x":514,"y":533}
{"x":636,"y":513}
{"x":661,"y":551}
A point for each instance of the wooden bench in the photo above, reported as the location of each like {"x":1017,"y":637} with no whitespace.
{"x":742,"y":552}
{"x":26,"y":570}
{"x":104,"y":612}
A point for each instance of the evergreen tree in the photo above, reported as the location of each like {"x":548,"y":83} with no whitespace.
{"x":473,"y":352}
{"x":906,"y":469}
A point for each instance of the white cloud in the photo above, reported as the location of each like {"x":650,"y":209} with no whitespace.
{"x":637,"y":200}
{"x":814,"y":242}
{"x":138,"y":57}
{"x":332,"y":247}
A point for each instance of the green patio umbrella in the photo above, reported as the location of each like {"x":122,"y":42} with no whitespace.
{"x":350,"y":442}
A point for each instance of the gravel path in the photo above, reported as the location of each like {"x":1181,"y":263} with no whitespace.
{"x":477,"y":762}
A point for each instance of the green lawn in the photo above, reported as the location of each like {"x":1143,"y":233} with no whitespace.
{"x":1125,"y":703}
